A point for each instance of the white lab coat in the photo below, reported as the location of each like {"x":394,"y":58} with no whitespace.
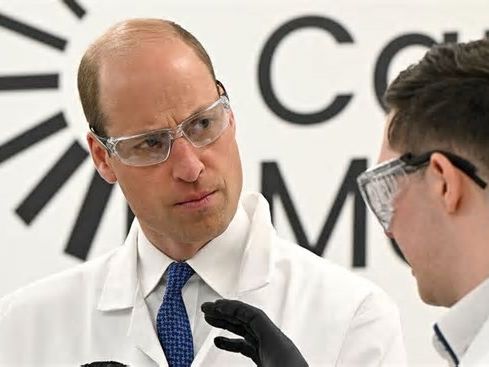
{"x":95,"y":311}
{"x":477,"y":355}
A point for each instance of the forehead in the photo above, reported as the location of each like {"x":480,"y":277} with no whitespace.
{"x":386,"y":151}
{"x":169,"y":63}
{"x":161,"y":80}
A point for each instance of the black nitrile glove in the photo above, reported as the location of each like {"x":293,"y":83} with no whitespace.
{"x":263,"y":342}
{"x":104,"y":364}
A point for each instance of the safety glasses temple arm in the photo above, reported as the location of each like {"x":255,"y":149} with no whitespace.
{"x":462,"y":164}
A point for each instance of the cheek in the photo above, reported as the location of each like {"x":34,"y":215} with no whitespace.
{"x":235,"y":173}
{"x":413,"y":230}
{"x":140,"y":185}
{"x":404,"y":241}
{"x":228,"y":161}
{"x":405,"y":226}
{"x":227,"y":170}
{"x":233,"y":159}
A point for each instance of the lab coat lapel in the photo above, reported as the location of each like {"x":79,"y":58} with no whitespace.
{"x":121,"y":291}
{"x":208,"y":352}
{"x":142,"y":332}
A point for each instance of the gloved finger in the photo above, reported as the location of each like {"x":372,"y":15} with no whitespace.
{"x":208,"y":307}
{"x":233,"y":311}
{"x":227,"y":311}
{"x":231,"y":308}
{"x":211,"y":309}
{"x":224,"y":310}
{"x":237,"y":346}
{"x":255,"y":320}
{"x":238,"y":329}
{"x":252,"y":318}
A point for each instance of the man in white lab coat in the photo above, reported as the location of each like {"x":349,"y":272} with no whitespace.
{"x":430,"y":194}
{"x":162,"y":127}
{"x":435,"y":166}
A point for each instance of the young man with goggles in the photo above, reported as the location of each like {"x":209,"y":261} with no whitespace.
{"x":430,"y":194}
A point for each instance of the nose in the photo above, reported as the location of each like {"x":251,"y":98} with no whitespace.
{"x":186,"y":162}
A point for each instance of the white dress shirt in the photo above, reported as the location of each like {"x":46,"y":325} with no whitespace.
{"x":216,"y":268}
{"x":458,"y":328}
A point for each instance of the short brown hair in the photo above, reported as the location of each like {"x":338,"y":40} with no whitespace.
{"x":120,"y":38}
{"x":442,"y":102}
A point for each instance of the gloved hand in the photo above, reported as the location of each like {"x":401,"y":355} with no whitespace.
{"x":104,"y":364}
{"x":263,"y":342}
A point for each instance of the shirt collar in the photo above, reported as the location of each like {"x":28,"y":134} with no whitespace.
{"x":457,"y":329}
{"x":217,"y":263}
{"x":152,"y":264}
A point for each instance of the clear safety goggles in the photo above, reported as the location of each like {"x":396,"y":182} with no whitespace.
{"x":154,"y":147}
{"x":380,"y":185}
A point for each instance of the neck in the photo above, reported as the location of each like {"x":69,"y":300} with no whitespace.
{"x":178,"y":251}
{"x":471,"y":265}
{"x":474,"y":274}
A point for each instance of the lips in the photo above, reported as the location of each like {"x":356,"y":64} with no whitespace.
{"x":195,"y":197}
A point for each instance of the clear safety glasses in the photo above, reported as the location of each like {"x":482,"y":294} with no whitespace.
{"x":154,"y":147}
{"x":381,"y":184}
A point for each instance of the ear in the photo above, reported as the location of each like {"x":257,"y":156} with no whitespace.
{"x":100,"y":158}
{"x":448,"y":180}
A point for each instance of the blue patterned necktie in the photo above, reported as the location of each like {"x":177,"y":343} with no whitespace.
{"x":172,"y":321}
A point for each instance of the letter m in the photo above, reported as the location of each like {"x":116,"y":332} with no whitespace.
{"x":273,"y":186}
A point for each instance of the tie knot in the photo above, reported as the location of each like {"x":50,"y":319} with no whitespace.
{"x":178,"y":274}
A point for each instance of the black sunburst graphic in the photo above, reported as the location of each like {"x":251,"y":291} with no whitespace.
{"x":98,"y":192}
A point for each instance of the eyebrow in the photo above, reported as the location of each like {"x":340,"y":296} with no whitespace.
{"x":196,"y":111}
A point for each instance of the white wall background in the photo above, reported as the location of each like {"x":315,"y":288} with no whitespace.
{"x":308,"y":69}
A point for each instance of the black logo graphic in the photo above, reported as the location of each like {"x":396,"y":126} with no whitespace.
{"x":340,"y":34}
{"x":98,"y":192}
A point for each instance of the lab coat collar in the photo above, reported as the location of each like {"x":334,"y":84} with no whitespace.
{"x":256,"y":264}
{"x":477,"y":353}
{"x":120,"y":284}
{"x":236,"y":261}
{"x":218,"y":263}
{"x":458,"y":328}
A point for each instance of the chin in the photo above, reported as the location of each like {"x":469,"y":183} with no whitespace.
{"x":428,"y":295}
{"x":206,"y":230}
{"x":428,"y":299}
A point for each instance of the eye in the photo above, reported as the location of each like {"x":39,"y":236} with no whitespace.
{"x":200,"y":126}
{"x":203,"y":123}
{"x":150,"y":142}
